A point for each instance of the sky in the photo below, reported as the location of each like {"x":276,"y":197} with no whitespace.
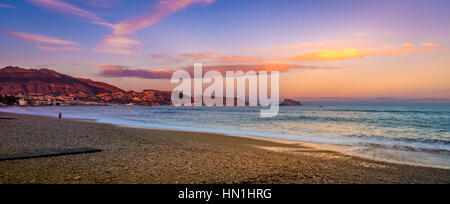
{"x":323,"y":48}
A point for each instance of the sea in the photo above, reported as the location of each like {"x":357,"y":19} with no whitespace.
{"x":415,"y":134}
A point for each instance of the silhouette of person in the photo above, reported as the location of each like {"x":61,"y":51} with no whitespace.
{"x":60,"y":116}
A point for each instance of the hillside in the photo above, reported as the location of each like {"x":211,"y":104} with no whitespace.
{"x":16,"y":81}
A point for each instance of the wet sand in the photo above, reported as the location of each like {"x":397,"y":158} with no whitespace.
{"x":133,"y":155}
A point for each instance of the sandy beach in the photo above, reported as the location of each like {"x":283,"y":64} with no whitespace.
{"x":133,"y":155}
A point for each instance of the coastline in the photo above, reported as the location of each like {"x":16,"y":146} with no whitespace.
{"x":142,"y":155}
{"x":399,"y":153}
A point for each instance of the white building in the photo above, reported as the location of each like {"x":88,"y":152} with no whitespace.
{"x":23,"y":102}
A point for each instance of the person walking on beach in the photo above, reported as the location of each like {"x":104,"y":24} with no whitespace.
{"x":60,"y":116}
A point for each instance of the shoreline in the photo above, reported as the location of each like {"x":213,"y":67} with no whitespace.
{"x":348,"y":150}
{"x":412,"y":157}
{"x":204,"y":157}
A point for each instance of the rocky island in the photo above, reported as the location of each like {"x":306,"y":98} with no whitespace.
{"x":290,"y":102}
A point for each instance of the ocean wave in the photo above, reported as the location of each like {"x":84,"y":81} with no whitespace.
{"x":388,"y":121}
{"x":411,"y":144}
{"x":433,"y":112}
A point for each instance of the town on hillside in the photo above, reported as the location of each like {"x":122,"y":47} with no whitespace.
{"x":130,"y":98}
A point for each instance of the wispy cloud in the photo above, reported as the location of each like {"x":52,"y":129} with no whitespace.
{"x":342,"y":50}
{"x":408,"y":45}
{"x":200,"y":56}
{"x":71,"y":10}
{"x":328,"y":55}
{"x":331,"y":44}
{"x":356,"y":53}
{"x":267,"y":66}
{"x":210,"y":57}
{"x":118,"y":71}
{"x":430,"y":45}
{"x":400,"y":52}
{"x":6,"y":6}
{"x":115,"y":44}
{"x":44,"y":42}
{"x":38,"y":39}
{"x":47,"y":48}
{"x":121,"y":40}
{"x":221,"y":58}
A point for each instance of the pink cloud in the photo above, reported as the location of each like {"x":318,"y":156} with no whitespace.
{"x":121,"y":40}
{"x":238,"y":59}
{"x":48,"y":48}
{"x":44,"y":42}
{"x":430,"y":45}
{"x":408,"y":45}
{"x":221,"y":58}
{"x":68,"y":9}
{"x":200,"y":56}
{"x":38,"y":39}
{"x":400,"y":52}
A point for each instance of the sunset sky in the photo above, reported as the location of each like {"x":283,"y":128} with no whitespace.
{"x":323,"y":49}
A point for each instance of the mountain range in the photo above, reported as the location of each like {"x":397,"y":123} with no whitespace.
{"x":16,"y":81}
